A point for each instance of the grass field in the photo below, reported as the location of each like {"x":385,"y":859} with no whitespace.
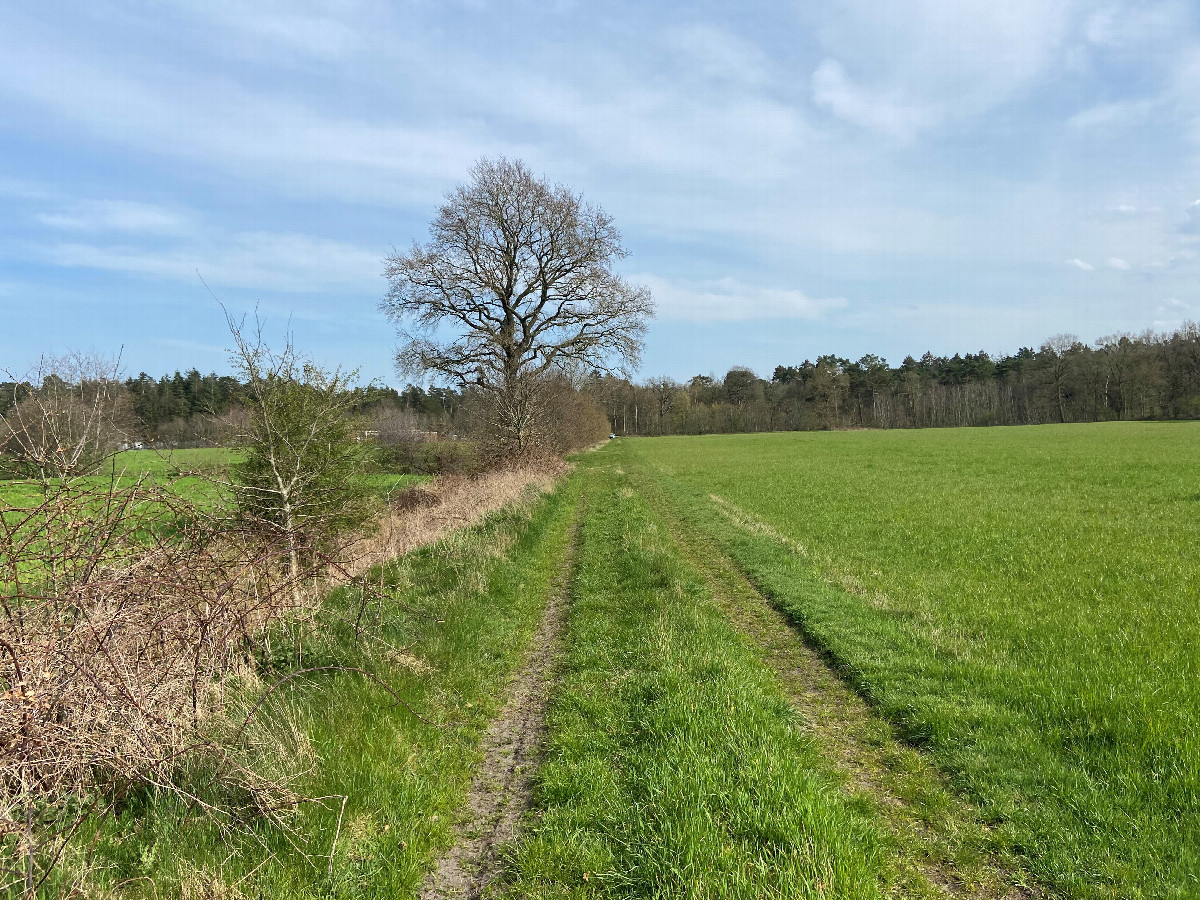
{"x":812,"y":665}
{"x":675,"y":768}
{"x":1020,"y":602}
{"x":177,"y":466}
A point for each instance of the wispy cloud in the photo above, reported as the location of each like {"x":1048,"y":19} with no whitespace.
{"x":729,"y":300}
{"x":276,"y":262}
{"x":763,"y":162}
{"x":1171,"y":313}
{"x":113,"y":216}
{"x":1122,"y":114}
{"x":833,"y":89}
{"x":1115,"y":262}
{"x":947,"y":59}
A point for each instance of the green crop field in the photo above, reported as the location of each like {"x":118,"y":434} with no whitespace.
{"x":1019,"y":602}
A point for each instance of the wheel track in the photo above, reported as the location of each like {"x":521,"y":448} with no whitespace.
{"x":501,"y":791}
{"x":955,"y":856}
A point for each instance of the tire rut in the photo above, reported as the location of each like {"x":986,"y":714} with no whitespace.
{"x":502,"y":789}
{"x":941,"y":846}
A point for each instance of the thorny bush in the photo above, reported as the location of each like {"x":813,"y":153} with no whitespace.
{"x":124,"y":613}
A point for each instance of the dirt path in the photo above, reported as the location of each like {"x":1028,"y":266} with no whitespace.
{"x":501,"y":792}
{"x":940,"y":846}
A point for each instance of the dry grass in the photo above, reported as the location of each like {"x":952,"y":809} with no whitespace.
{"x":123,"y":613}
{"x":425,"y":514}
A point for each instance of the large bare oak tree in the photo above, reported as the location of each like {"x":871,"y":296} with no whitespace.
{"x":515,"y":284}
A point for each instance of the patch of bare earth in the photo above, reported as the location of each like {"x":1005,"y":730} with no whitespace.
{"x":941,"y":846}
{"x":502,"y":790}
{"x":425,"y":514}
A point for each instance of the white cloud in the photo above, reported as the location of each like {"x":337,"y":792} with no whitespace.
{"x":1115,"y":262}
{"x":267,"y":261}
{"x":833,"y":90}
{"x":256,"y":134}
{"x":1115,"y":115}
{"x":945,"y":58}
{"x":1149,"y":23}
{"x":1171,"y":313}
{"x":722,"y":55}
{"x":729,"y":300}
{"x":1080,"y":264}
{"x":113,"y":216}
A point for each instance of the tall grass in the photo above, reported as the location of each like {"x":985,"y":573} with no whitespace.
{"x":384,"y":785}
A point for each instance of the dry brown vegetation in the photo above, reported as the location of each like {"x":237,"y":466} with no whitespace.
{"x":123,"y":614}
{"x":126,"y":615}
{"x":425,"y":514}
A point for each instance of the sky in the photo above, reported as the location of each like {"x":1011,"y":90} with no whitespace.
{"x":791,"y":179}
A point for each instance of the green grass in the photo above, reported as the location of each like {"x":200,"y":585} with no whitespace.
{"x":385,"y":485}
{"x":173,"y":465}
{"x":158,"y":466}
{"x":453,"y":626}
{"x":172,"y":462}
{"x":1021,"y":602}
{"x":674,"y":766}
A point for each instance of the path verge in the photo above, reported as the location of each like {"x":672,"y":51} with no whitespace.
{"x":501,"y":791}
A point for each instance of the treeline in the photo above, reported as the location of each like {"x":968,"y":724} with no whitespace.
{"x":1122,"y":377}
{"x":417,"y":424}
{"x":192,"y":409}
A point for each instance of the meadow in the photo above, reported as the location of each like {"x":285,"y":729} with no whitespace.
{"x":193,"y":473}
{"x":846,"y":664}
{"x":1020,"y":603}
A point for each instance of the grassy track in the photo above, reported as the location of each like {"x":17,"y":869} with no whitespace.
{"x":1022,"y":602}
{"x":454,"y":627}
{"x":675,"y":767}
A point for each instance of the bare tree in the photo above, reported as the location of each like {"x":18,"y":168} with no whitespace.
{"x":664,"y":391}
{"x":515,"y":284}
{"x":1058,"y":352}
{"x":73,"y":419}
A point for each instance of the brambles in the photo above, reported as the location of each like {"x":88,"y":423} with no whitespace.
{"x":127,"y":603}
{"x":123,"y":610}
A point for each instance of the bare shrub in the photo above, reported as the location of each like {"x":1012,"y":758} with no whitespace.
{"x":560,"y":419}
{"x":573,"y":420}
{"x":122,"y":613}
{"x":391,"y":424}
{"x":205,"y":429}
{"x":75,"y":414}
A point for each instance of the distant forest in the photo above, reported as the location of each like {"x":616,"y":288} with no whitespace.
{"x":183,"y":395}
{"x":1148,"y":376}
{"x":1124,"y":377}
{"x":191,"y":409}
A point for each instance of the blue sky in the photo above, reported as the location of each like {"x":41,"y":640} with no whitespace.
{"x":790,"y":178}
